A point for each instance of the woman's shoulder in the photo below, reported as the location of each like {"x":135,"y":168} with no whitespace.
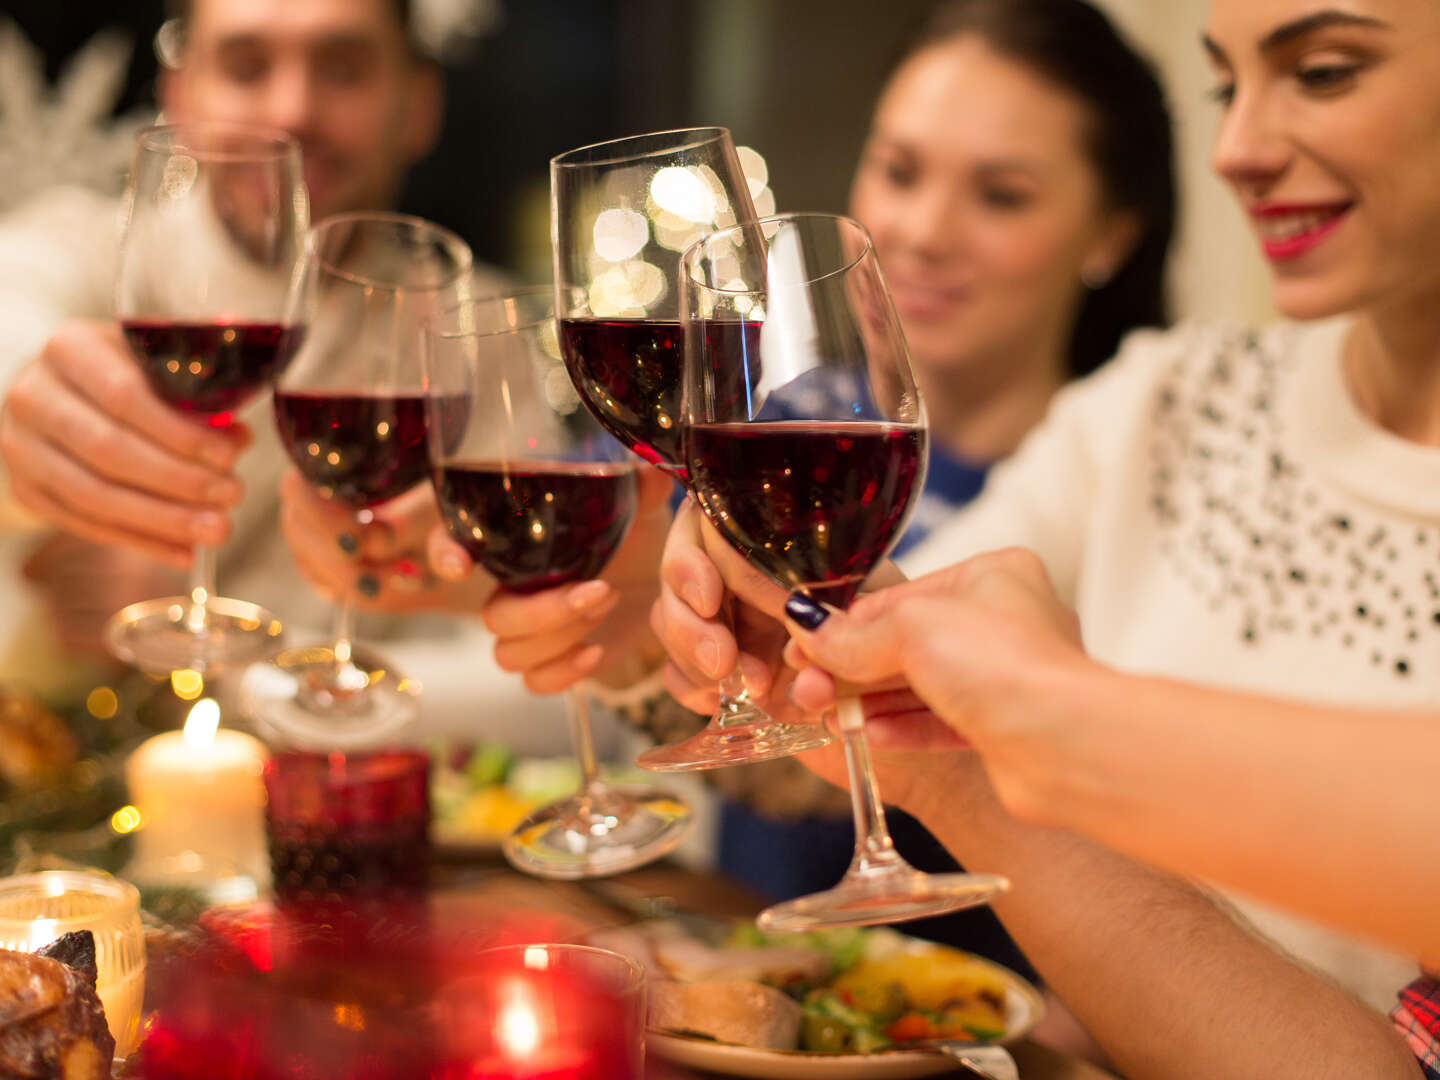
{"x":1211,"y":358}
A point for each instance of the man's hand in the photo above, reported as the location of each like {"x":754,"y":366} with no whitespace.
{"x":92,"y":450}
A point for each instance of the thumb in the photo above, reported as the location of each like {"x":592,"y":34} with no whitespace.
{"x":447,"y":559}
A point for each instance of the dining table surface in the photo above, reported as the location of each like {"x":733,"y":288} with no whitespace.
{"x":656,"y":891}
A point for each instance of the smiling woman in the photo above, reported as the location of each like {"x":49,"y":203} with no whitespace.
{"x":1257,"y":510}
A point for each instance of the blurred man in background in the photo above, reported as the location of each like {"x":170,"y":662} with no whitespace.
{"x":88,"y":449}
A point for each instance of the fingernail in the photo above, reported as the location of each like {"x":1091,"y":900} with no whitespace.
{"x":349,"y":543}
{"x":692,"y":596}
{"x":585,"y":596}
{"x":223,"y":491}
{"x":707,"y":655}
{"x":368,"y":585}
{"x":808,"y":613}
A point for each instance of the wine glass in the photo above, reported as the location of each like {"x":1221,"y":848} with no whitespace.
{"x":351,"y":413}
{"x":621,"y":213}
{"x":811,"y":475}
{"x":216,"y":218}
{"x":540,"y":496}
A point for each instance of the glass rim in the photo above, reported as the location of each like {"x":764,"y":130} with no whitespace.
{"x":432,"y":324}
{"x":451,"y":239}
{"x":271,"y":144}
{"x":306,"y":758}
{"x":692,"y":252}
{"x":45,"y":884}
{"x":635,"y":981}
{"x":698,"y":137}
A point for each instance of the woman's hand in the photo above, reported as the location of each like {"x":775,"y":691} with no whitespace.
{"x":380,"y":564}
{"x":983,"y":648}
{"x":588,"y":629}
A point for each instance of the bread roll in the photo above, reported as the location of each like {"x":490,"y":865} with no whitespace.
{"x":746,"y":1013}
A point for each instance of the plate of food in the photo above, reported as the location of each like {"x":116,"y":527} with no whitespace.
{"x":480,"y":791}
{"x":852,"y":1004}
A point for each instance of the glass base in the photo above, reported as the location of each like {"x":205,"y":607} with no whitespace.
{"x":743,"y":743}
{"x":316,"y":700}
{"x":161,"y":636}
{"x":890,"y":897}
{"x":609,"y":831}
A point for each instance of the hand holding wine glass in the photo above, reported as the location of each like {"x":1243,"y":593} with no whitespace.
{"x":216,"y":217}
{"x":811,"y":475}
{"x":351,"y":411}
{"x":540,"y":497}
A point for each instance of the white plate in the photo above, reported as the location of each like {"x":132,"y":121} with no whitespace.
{"x":1023,"y":1009}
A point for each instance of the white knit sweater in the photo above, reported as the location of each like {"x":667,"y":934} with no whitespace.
{"x":1216,"y":509}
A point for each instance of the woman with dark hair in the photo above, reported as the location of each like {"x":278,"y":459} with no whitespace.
{"x":1017,"y":180}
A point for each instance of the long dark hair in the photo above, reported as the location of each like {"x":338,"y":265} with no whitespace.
{"x":1131,"y":142}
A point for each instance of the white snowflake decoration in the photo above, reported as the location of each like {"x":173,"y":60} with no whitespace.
{"x":62,"y":135}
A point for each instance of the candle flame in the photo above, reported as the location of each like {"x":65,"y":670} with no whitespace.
{"x":517,"y":1029}
{"x":202,"y":723}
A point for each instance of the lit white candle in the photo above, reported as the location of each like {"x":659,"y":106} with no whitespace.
{"x":199,"y":790}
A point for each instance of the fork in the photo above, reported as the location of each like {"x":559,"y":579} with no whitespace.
{"x":991,"y":1062}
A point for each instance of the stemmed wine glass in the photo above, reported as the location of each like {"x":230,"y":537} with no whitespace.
{"x":540,"y":496}
{"x":811,"y":474}
{"x":216,"y":218}
{"x":351,"y":413}
{"x":621,"y":213}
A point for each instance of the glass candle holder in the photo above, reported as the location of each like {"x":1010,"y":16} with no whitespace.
{"x":533,"y":1011}
{"x":35,"y":909}
{"x":347,"y":826}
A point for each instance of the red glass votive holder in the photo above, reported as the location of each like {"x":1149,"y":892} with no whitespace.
{"x":347,"y":826}
{"x":543,"y":1012}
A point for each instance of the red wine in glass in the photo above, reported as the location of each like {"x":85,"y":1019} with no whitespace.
{"x":628,"y":374}
{"x":210,"y":368}
{"x":541,"y":497}
{"x":536,"y":525}
{"x":360,"y":448}
{"x":212,"y":234}
{"x":815,"y":504}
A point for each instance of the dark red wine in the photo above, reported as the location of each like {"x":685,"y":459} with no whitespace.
{"x":814,"y":504}
{"x":210,"y":368}
{"x":628,"y":373}
{"x":361,"y":448}
{"x":537,"y":524}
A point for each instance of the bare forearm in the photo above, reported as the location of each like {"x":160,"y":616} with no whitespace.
{"x":1167,"y":983}
{"x":1283,"y":801}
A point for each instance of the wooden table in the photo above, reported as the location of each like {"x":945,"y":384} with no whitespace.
{"x":657,"y":891}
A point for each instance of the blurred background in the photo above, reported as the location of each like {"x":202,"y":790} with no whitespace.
{"x":526,"y":79}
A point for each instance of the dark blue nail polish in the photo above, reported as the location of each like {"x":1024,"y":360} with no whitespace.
{"x":808,"y":613}
{"x":349,"y":543}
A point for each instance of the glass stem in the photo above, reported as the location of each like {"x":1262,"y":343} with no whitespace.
{"x":735,"y":705}
{"x":343,"y":630}
{"x":202,"y":588}
{"x":577,"y":708}
{"x":874,"y":850}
